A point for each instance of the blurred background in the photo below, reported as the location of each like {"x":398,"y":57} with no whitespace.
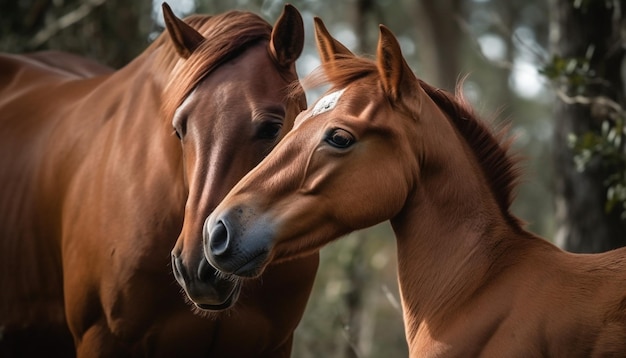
{"x":552,"y":71}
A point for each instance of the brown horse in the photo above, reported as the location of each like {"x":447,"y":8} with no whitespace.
{"x":384,"y":145}
{"x":102,"y":172}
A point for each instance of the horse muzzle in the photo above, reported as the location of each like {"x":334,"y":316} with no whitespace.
{"x":238,"y":243}
{"x":206,"y":287}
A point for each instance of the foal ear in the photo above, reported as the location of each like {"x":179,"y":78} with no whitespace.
{"x":184,"y":37}
{"x":396,"y":75}
{"x":287,"y":39}
{"x":328,"y":48}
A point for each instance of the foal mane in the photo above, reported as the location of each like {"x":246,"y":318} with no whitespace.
{"x":490,"y":149}
{"x":227,"y":35}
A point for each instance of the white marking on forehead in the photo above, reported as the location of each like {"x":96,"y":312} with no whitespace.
{"x":326,"y":103}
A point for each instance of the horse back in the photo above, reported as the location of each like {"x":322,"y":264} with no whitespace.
{"x":577,"y":302}
{"x":69,"y":64}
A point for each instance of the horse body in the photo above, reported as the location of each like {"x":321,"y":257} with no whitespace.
{"x":506,"y":294}
{"x":383,"y":145}
{"x":32,"y":193}
{"x":97,"y":189}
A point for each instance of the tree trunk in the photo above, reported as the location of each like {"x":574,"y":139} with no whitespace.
{"x":440,"y":41}
{"x":583,"y":224}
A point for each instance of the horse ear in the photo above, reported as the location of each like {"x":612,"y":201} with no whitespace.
{"x":287,"y":39}
{"x":396,"y":75}
{"x":328,"y":48}
{"x":184,"y":37}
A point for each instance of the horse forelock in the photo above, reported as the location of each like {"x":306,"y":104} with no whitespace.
{"x":226,"y":36}
{"x":340,"y":72}
{"x":490,"y":149}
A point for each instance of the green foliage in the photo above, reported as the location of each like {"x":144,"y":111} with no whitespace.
{"x":607,"y":148}
{"x":575,"y":73}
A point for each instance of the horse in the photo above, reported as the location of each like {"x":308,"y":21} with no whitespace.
{"x":381,"y":145}
{"x":107,"y":177}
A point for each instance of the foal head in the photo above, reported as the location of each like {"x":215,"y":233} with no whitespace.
{"x":349,"y":163}
{"x":226,"y":120}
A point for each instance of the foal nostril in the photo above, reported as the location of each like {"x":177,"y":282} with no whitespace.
{"x":219,"y":241}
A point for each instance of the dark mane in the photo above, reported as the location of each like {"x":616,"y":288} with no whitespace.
{"x":227,"y":35}
{"x":491,"y":149}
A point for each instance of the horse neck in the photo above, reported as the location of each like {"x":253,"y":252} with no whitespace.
{"x":137,"y":91}
{"x":125,"y":116}
{"x":448,"y":229}
{"x":142,"y":78}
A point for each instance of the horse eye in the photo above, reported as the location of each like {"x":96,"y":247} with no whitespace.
{"x":269,"y":130}
{"x":340,"y":138}
{"x":180,"y":127}
{"x":177,"y":133}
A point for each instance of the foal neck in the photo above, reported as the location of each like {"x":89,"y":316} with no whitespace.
{"x":451,"y":230}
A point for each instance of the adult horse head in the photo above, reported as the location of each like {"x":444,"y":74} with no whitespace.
{"x":227,"y":123}
{"x":383,"y":145}
{"x":104,"y":170}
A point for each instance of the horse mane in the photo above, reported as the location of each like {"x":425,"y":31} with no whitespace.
{"x":490,"y":149}
{"x":227,"y":35}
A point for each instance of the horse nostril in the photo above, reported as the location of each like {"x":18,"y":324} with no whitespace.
{"x":219,"y":241}
{"x":206,"y":272}
{"x":178,"y":268}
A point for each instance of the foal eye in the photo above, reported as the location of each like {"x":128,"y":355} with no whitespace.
{"x":339,"y":138}
{"x":269,"y":130}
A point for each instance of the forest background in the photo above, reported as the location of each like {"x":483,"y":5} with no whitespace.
{"x":551,"y":70}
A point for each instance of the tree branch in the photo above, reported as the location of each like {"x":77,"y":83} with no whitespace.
{"x":64,"y":21}
{"x":595,"y":101}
